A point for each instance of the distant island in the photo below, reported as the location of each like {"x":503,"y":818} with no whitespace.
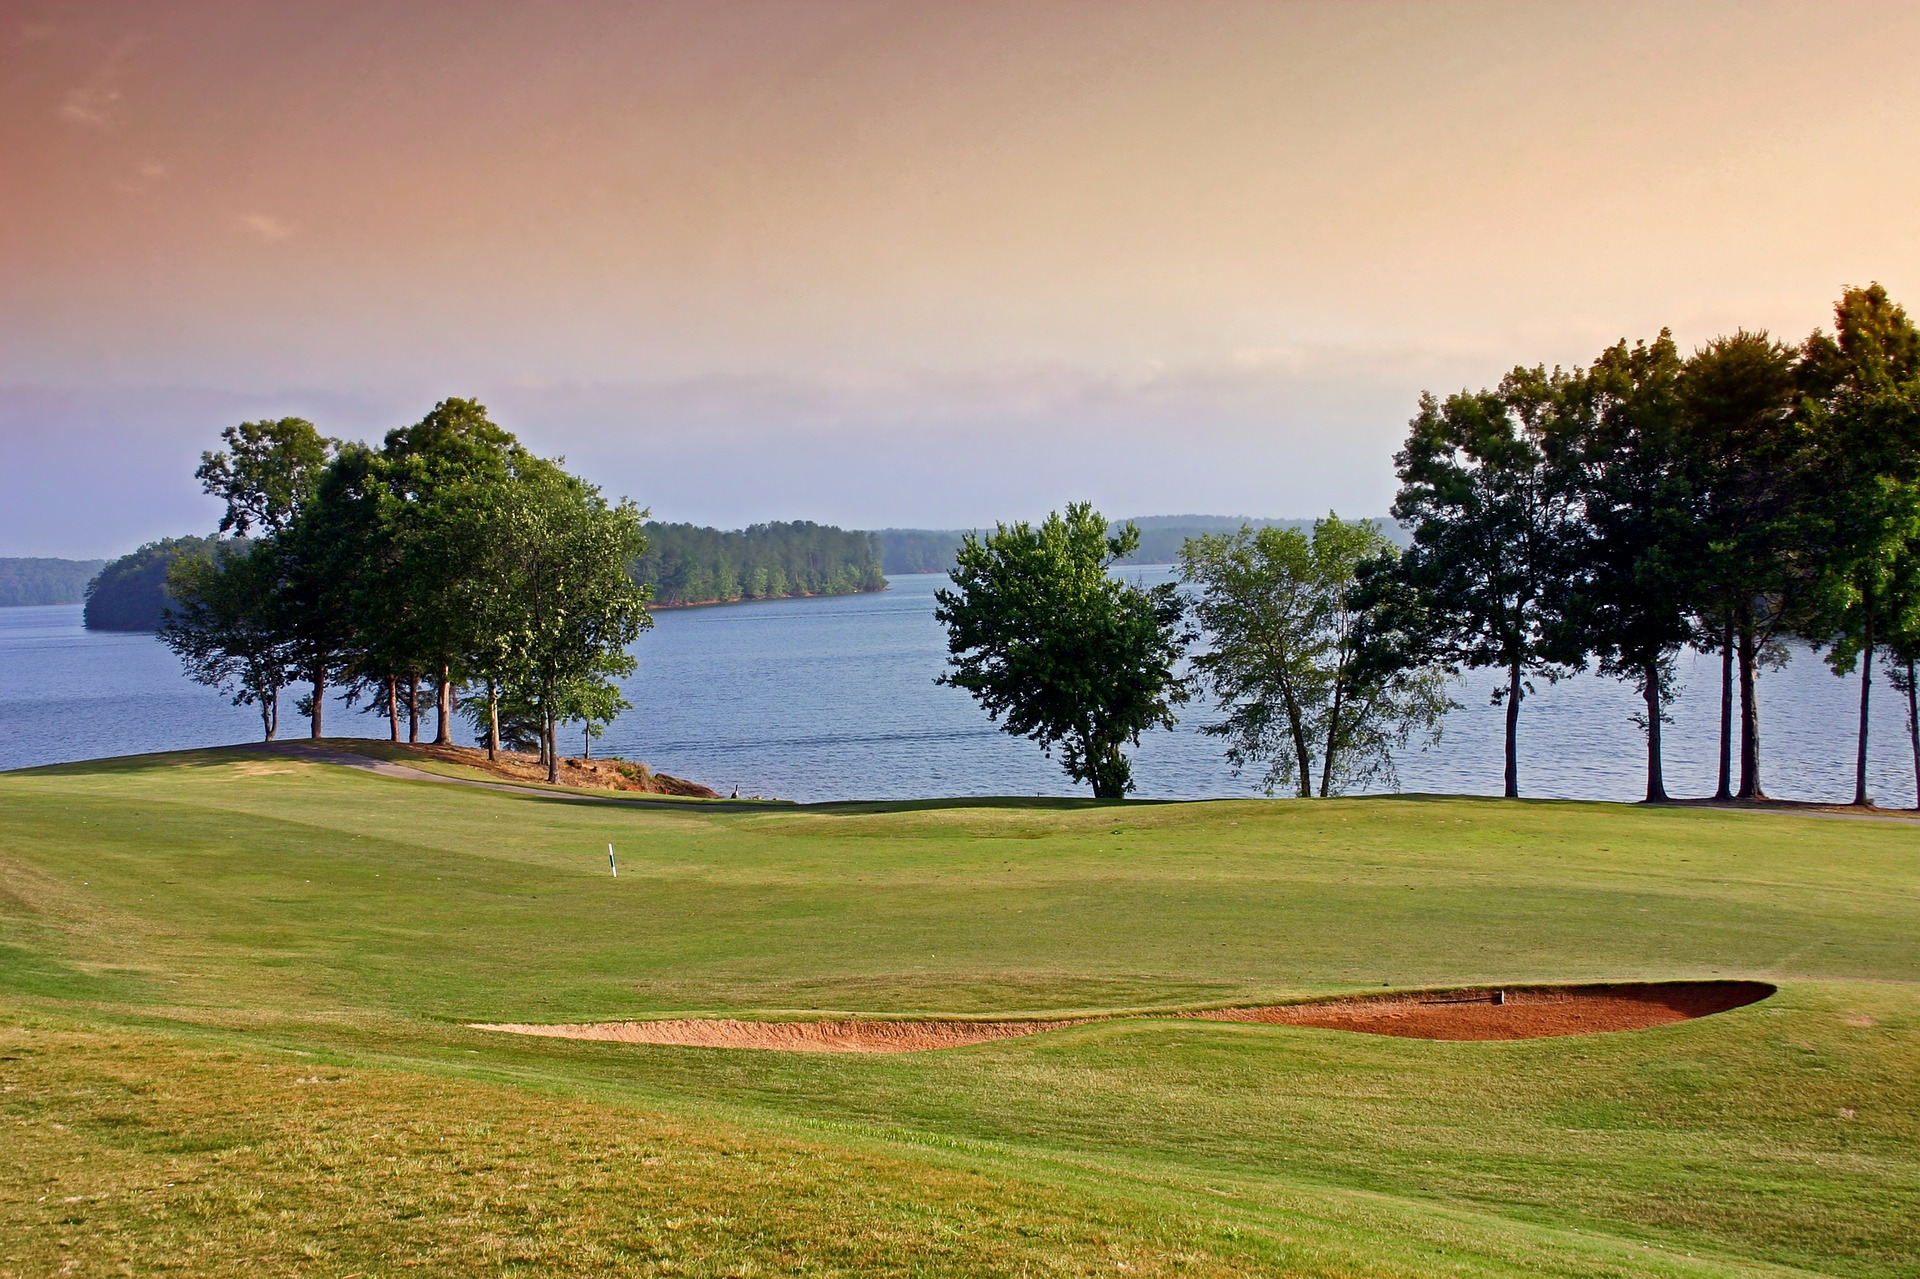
{"x":688,"y":564}
{"x":130,"y":593}
{"x":685,"y":564}
{"x":923,"y":550}
{"x":25,"y":582}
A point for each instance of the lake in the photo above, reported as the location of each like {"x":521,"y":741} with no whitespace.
{"x":834,"y":698}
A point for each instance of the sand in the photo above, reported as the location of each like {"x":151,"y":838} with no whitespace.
{"x":1480,"y":1013}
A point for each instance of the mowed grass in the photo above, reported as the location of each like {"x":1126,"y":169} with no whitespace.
{"x":234,"y":993}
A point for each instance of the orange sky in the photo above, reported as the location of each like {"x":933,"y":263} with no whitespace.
{"x":905,"y":263}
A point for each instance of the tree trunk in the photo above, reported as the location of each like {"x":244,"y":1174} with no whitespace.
{"x":553,"y":754}
{"x":393,"y":708}
{"x":1303,"y":754}
{"x":1333,"y":740}
{"x":1725,"y":789}
{"x":1860,"y":796}
{"x":1513,"y":731}
{"x":443,"y":735}
{"x":586,"y":742}
{"x":1913,"y":728}
{"x":319,"y":694}
{"x":1749,"y":716}
{"x":493,"y":718}
{"x":413,"y":707}
{"x":1656,"y":774}
{"x":266,"y":716}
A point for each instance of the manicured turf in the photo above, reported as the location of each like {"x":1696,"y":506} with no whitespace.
{"x":232,"y":992}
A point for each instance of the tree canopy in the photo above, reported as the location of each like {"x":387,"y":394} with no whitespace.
{"x":1293,"y":661}
{"x":1059,"y":650}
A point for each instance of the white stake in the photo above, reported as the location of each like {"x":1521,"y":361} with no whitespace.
{"x":612,"y":863}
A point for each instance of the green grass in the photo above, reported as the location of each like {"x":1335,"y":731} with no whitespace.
{"x":232,"y":996}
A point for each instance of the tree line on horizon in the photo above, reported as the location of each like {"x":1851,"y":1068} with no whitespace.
{"x":1605,"y":516}
{"x":691,"y":564}
{"x":683,"y":564}
{"x":27,"y":581}
{"x":448,"y":558}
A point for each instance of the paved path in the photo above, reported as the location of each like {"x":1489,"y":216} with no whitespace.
{"x":402,"y":772}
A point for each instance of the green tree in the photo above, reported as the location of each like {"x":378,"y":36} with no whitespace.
{"x":1057,"y":649}
{"x":1744,"y":461}
{"x":224,"y":625}
{"x":130,"y":593}
{"x":1489,"y":517}
{"x":564,"y":555}
{"x":1862,"y":412}
{"x":265,"y":474}
{"x":444,"y":477}
{"x":1634,"y":547}
{"x":1289,"y":659}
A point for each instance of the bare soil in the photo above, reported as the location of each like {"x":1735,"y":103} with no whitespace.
{"x":1530,"y":1012}
{"x":598,"y":774}
{"x":1526,"y":1012}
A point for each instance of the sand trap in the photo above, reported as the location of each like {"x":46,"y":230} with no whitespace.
{"x":1516,"y":1012}
{"x":796,"y":1036}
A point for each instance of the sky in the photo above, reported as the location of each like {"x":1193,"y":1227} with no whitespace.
{"x":899,"y":264}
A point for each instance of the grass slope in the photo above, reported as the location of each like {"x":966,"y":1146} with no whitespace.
{"x":232,"y":991}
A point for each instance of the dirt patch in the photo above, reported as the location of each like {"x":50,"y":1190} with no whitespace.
{"x":1515,"y":1012}
{"x":853,"y":1036}
{"x":1524,"y":1012}
{"x":598,"y":774}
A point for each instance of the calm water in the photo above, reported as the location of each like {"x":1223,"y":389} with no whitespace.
{"x":834,"y":699}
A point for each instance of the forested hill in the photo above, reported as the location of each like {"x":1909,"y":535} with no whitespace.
{"x":689,"y":564}
{"x":34,"y":581}
{"x":921,"y":550}
{"x":130,"y":593}
{"x":684,"y":563}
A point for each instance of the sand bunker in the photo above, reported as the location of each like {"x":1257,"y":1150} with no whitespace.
{"x":1515,"y":1012}
{"x":1519,"y":1012}
{"x":796,"y":1036}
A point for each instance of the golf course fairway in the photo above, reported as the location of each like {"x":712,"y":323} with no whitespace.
{"x":237,"y":993}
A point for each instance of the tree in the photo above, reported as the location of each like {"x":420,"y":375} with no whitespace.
{"x":1289,"y":658}
{"x":1862,"y":412}
{"x":271,"y":475}
{"x":130,"y":593}
{"x":442,"y":480}
{"x":1489,"y":518}
{"x":1058,"y":650}
{"x":1744,"y":461}
{"x":223,"y":625}
{"x":266,"y":472}
{"x":563,"y":555}
{"x":1633,"y":547}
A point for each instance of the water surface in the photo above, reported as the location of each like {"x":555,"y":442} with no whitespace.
{"x":834,"y":699}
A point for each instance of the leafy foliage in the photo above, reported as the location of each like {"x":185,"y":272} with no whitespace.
{"x":688,"y":564}
{"x":130,"y":593}
{"x":26,"y":582}
{"x":1489,"y":517}
{"x":1293,"y":660}
{"x":1060,"y":650}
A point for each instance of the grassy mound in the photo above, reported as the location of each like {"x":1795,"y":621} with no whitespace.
{"x":233,"y":992}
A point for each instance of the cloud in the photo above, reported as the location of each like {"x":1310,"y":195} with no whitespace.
{"x":270,"y":229}
{"x":153,"y":170}
{"x":90,"y":104}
